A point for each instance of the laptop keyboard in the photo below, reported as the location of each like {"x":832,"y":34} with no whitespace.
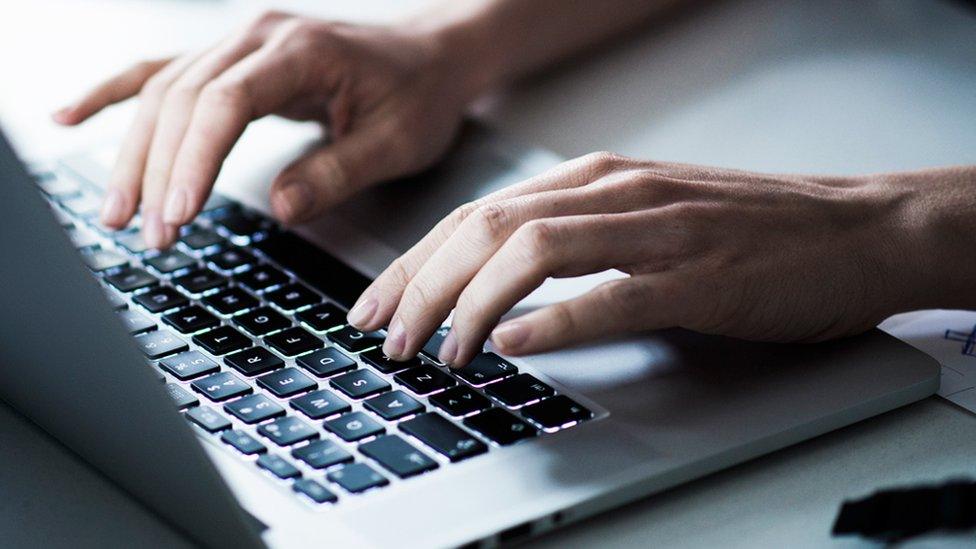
{"x":244,"y":324}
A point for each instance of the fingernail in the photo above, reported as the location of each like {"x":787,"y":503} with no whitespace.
{"x":396,"y":340}
{"x":62,"y":115}
{"x":112,"y":208}
{"x":510,"y":336}
{"x":449,"y":349}
{"x":175,"y":208}
{"x":152,"y":230}
{"x":292,"y":200}
{"x":362,"y":312}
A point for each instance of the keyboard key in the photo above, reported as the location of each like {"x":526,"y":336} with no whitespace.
{"x":231,"y":259}
{"x":208,"y":418}
{"x":500,"y":426}
{"x":519,"y":390}
{"x":201,"y":239}
{"x":315,"y":491}
{"x":355,"y":341}
{"x":320,"y":404}
{"x":354,"y":426}
{"x":218,"y":202}
{"x":132,"y":241}
{"x":222,"y":340}
{"x":104,"y":260}
{"x":161,"y":299}
{"x":254,"y":409}
{"x":321,"y":454}
{"x":171,"y":261}
{"x":360,"y":383}
{"x":287,"y":382}
{"x":425,"y":379}
{"x":278,"y":466}
{"x":188,"y":365}
{"x":85,"y":206}
{"x":156,"y":345}
{"x":221,"y":386}
{"x":243,"y":442}
{"x":240,"y":224}
{"x":460,"y":401}
{"x":433,"y":345}
{"x":393,"y":405}
{"x":385,"y":364}
{"x":231,"y":301}
{"x":443,"y":436}
{"x":326,"y":362}
{"x":130,"y":280}
{"x":556,"y":412}
{"x":294,"y":341}
{"x":293,"y":296}
{"x":200,"y":280}
{"x":59,"y":187}
{"x":262,"y":321}
{"x":182,"y":397}
{"x":323,"y":317}
{"x":136,"y":322}
{"x":398,"y":456}
{"x":83,"y":238}
{"x":486,"y":368}
{"x":287,"y":431}
{"x":254,"y":361}
{"x":191,"y":319}
{"x":262,"y":277}
{"x":357,"y":477}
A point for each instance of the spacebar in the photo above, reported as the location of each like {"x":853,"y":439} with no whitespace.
{"x":314,"y":267}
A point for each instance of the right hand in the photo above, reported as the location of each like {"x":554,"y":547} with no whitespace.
{"x":392,"y":99}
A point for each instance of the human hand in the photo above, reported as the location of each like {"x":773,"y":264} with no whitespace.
{"x":393,"y":99}
{"x":755,"y":256}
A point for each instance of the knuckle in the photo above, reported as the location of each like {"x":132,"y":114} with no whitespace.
{"x":470,"y":309}
{"x":492,"y":220}
{"x":225,"y":93}
{"x":397,"y":273}
{"x":563,"y":317}
{"x":417,"y":299}
{"x":297,"y":32}
{"x":622,"y":295}
{"x":144,"y":69}
{"x":537,"y":240}
{"x":464,"y":211}
{"x":155,"y":87}
{"x":266,"y":19}
{"x":602,"y":162}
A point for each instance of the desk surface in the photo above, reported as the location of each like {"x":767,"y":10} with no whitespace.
{"x":788,"y":85}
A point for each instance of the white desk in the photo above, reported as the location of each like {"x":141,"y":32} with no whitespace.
{"x":782,"y":85}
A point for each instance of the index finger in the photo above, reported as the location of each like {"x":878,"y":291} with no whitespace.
{"x":114,"y":90}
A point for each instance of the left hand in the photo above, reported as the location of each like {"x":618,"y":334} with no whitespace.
{"x":754,"y":256}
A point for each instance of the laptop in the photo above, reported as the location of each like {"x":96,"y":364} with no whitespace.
{"x":218,"y":384}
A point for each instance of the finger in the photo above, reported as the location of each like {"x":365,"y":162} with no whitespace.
{"x":114,"y":90}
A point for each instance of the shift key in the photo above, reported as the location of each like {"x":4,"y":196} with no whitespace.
{"x":443,"y":436}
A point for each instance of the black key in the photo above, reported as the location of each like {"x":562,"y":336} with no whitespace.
{"x":315,"y":491}
{"x":158,"y":344}
{"x":191,"y":319}
{"x":398,"y":456}
{"x":240,"y":224}
{"x":208,"y":418}
{"x":262,"y":321}
{"x":357,"y":477}
{"x":460,"y":401}
{"x":278,"y":466}
{"x":218,"y":202}
{"x":326,"y":362}
{"x":287,"y":431}
{"x":323,"y":317}
{"x":443,"y":436}
{"x":321,"y":454}
{"x":222,"y":340}
{"x":294,"y":341}
{"x":293,"y":296}
{"x":245,"y":443}
{"x":262,"y":277}
{"x":201,"y":239}
{"x":130,"y":280}
{"x":104,"y":260}
{"x":377,"y":359}
{"x":136,"y":322}
{"x":519,"y":390}
{"x":320,"y":404}
{"x":231,"y":301}
{"x":231,"y":259}
{"x":354,"y":426}
{"x":433,"y":345}
{"x":182,"y":397}
{"x":132,"y":241}
{"x":360,"y":383}
{"x":425,"y":379}
{"x":254,"y":409}
{"x":393,"y":405}
{"x":287,"y":382}
{"x":115,"y":300}
{"x":500,"y":426}
{"x":161,"y":299}
{"x":254,"y":361}
{"x":556,"y":412}
{"x":221,"y":386}
{"x":171,"y":261}
{"x":485,"y":368}
{"x":200,"y":280}
{"x":355,"y":341}
{"x":188,"y":365}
